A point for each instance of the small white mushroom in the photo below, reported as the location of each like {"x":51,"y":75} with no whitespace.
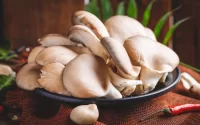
{"x":122,"y":27}
{"x":27,"y":77}
{"x":150,"y":33}
{"x":5,"y":70}
{"x":51,"y":78}
{"x":34,"y":52}
{"x":189,"y":85}
{"x":121,"y":58}
{"x":91,"y":21}
{"x":87,"y":76}
{"x":155,"y":59}
{"x":81,"y":34}
{"x":53,"y":54}
{"x":85,"y":114}
{"x":55,"y":40}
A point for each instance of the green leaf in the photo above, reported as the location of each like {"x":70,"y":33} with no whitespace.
{"x":132,"y":9}
{"x":171,"y":30}
{"x":190,"y":67}
{"x":5,"y":47}
{"x":106,"y":9}
{"x":6,"y":81}
{"x":162,"y":21}
{"x":121,"y":9}
{"x":147,"y":13}
{"x":93,"y":7}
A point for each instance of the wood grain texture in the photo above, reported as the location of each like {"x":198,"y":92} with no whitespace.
{"x":187,"y":36}
{"x":27,"y":20}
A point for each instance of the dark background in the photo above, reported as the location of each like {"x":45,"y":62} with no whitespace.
{"x":24,"y":21}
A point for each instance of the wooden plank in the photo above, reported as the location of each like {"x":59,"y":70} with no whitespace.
{"x":27,"y":20}
{"x":187,"y":36}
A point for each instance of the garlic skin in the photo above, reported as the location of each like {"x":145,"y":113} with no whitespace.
{"x":85,"y":114}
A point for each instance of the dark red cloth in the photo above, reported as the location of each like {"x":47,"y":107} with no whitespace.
{"x":40,"y":111}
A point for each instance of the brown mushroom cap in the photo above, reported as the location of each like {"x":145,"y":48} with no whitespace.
{"x":27,"y":76}
{"x":87,"y":76}
{"x":122,"y":27}
{"x":55,"y":40}
{"x":34,"y":52}
{"x":81,"y":34}
{"x":51,"y":78}
{"x":154,"y":58}
{"x":53,"y":54}
{"x":91,"y":21}
{"x":121,"y":58}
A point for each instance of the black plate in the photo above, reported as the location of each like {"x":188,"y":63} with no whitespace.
{"x":172,"y":80}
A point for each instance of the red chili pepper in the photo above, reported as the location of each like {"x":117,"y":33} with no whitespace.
{"x":176,"y":110}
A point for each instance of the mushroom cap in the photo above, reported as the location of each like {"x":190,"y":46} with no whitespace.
{"x":51,"y":78}
{"x":150,"y":33}
{"x":91,"y":21}
{"x":122,"y":27}
{"x":120,"y":57}
{"x":27,"y":76}
{"x":34,"y":52}
{"x":53,"y":54}
{"x":55,"y":40}
{"x":81,"y":34}
{"x":153,"y":55}
{"x":154,"y":58}
{"x":86,"y":76}
{"x":85,"y":114}
{"x":5,"y":70}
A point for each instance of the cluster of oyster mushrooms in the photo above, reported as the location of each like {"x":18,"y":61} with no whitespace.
{"x":114,"y":59}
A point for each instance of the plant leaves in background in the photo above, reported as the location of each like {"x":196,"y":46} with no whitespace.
{"x":121,"y":9}
{"x":93,"y":8}
{"x":171,"y":30}
{"x":6,"y":81}
{"x":190,"y":67}
{"x":132,"y":9}
{"x":147,"y":13}
{"x":106,"y":9}
{"x":162,"y":21}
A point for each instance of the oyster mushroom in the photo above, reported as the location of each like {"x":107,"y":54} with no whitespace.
{"x":55,"y":40}
{"x":125,"y":86}
{"x":51,"y":78}
{"x":34,"y":52}
{"x":27,"y":77}
{"x":53,"y":54}
{"x":81,"y":34}
{"x":6,"y":70}
{"x":91,"y":21}
{"x":87,"y":76}
{"x":150,"y":33}
{"x":85,"y":114}
{"x":155,"y":59}
{"x":121,"y":58}
{"x":122,"y":27}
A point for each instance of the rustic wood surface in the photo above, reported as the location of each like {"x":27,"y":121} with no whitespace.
{"x":187,"y":37}
{"x":27,"y":20}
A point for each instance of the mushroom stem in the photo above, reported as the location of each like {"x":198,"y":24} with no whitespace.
{"x":113,"y":93}
{"x":164,"y":77}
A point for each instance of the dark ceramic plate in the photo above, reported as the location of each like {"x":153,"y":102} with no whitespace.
{"x":172,"y":80}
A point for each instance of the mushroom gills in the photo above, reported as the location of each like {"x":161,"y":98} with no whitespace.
{"x":81,"y":34}
{"x":51,"y":78}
